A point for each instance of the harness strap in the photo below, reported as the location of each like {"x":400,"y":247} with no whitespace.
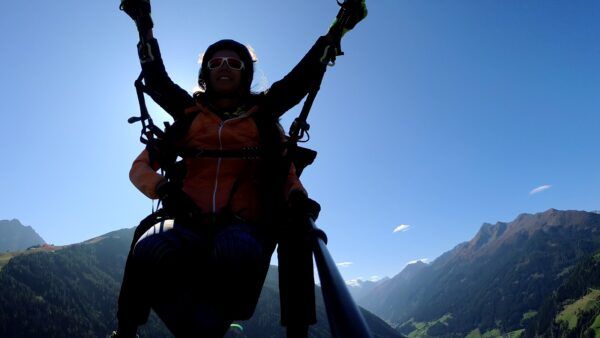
{"x":249,"y":153}
{"x":198,"y":107}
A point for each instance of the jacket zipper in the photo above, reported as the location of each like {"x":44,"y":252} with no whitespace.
{"x":221,"y":125}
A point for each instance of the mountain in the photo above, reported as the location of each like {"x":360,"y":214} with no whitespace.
{"x":69,"y":291}
{"x":15,"y":236}
{"x":382,"y":297}
{"x":358,"y":288}
{"x":72,"y":291}
{"x":494,"y":283}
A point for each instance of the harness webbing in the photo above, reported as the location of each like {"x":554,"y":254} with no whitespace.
{"x":249,"y":153}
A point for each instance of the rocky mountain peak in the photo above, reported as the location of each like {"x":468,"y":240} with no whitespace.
{"x":487,"y":234}
{"x":411,"y":270}
{"x":15,"y":236}
{"x":491,"y":236}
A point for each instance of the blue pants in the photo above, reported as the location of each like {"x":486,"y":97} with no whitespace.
{"x":197,"y":282}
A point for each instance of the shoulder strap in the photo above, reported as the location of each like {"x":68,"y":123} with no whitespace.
{"x":181,"y":126}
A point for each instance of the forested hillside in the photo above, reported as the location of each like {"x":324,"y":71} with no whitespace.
{"x":574,"y":309}
{"x":72,"y":292}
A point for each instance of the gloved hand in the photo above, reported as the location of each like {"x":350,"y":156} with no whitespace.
{"x":301,"y":205}
{"x":139,"y":11}
{"x":176,"y":203}
{"x":356,"y":10}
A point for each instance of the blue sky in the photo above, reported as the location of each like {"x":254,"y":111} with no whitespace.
{"x":442,"y":115}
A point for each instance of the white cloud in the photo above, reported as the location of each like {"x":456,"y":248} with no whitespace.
{"x":402,"y":228}
{"x":344,"y":264}
{"x":354,"y":282}
{"x":540,"y":189}
{"x":375,"y":278}
{"x":424,"y":260}
{"x":358,"y":281}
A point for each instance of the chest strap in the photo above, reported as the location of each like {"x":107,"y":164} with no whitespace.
{"x":247,"y":153}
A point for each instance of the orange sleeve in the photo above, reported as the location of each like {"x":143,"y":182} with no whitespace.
{"x":293,"y":183}
{"x":143,"y":176}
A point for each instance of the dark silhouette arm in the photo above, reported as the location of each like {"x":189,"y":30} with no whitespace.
{"x":289,"y":91}
{"x":172,"y":98}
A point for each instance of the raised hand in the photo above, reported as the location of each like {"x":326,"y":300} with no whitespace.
{"x":351,"y":13}
{"x":139,"y":11}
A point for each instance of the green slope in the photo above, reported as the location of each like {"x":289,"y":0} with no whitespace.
{"x":570,"y":315}
{"x":574,"y":308}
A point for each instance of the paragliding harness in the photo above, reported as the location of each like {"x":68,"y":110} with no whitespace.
{"x":164,"y":154}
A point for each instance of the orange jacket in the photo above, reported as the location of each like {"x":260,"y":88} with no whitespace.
{"x":216,"y":183}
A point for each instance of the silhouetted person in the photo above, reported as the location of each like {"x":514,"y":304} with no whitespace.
{"x":200,"y":262}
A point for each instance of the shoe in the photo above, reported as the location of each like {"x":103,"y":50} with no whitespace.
{"x":116,"y":334}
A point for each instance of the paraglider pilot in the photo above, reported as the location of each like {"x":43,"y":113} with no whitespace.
{"x":201,"y":260}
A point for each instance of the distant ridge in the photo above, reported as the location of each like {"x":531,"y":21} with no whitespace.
{"x":358,"y":288}
{"x":494,"y":283}
{"x":15,"y":236}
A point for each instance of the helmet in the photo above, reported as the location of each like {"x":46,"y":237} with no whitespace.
{"x":238,"y":48}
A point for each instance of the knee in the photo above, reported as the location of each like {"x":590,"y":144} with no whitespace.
{"x":235,"y":249}
{"x":155,"y":252}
